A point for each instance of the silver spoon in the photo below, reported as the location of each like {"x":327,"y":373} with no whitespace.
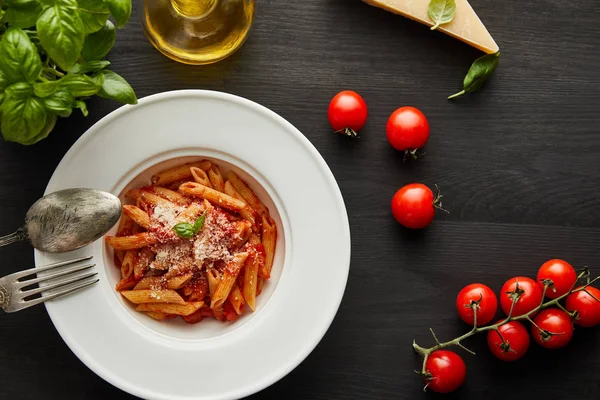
{"x":67,"y":220}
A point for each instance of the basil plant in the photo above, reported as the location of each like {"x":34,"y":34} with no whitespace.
{"x":52,"y":59}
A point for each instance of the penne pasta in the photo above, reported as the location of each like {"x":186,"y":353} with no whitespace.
{"x":237,"y":299}
{"x":246,"y":212}
{"x":160,"y":282}
{"x":269,"y":239}
{"x":200,"y":177}
{"x":250,"y":280}
{"x":131,"y":242}
{"x":230,"y":274}
{"x":216,"y":179}
{"x":214,"y":278}
{"x":170,"y":195}
{"x":254,"y":239}
{"x":178,"y":173}
{"x":159,"y":316}
{"x":242,"y":232}
{"x":177,"y":282}
{"x":168,"y":308}
{"x":151,"y":282}
{"x":259,"y":287}
{"x":153,"y":296}
{"x":247,"y":194}
{"x":126,"y":284}
{"x":142,"y":262}
{"x":128,"y":264}
{"x":138,"y":216}
{"x":155,"y":200}
{"x":214,"y":196}
{"x":125,"y":226}
{"x":134,"y":194}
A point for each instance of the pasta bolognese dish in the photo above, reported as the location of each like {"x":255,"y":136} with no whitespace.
{"x":194,"y":243}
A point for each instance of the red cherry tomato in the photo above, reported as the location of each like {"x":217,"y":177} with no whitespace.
{"x":588,"y":307}
{"x":515,"y":344}
{"x":414,"y":205}
{"x":557,"y":323}
{"x":563,"y":276}
{"x":530,"y":298}
{"x":446,"y":371}
{"x":487,"y":307}
{"x":347,"y":112}
{"x":407,"y":129}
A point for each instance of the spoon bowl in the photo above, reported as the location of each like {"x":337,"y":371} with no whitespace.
{"x":68,"y":219}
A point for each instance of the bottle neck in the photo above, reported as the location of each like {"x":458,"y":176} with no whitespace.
{"x":193,"y":8}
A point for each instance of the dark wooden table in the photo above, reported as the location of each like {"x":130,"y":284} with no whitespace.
{"x":518,"y":164}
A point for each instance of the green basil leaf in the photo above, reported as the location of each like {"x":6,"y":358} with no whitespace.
{"x":94,"y":14}
{"x":61,"y":32}
{"x":80,"y":85}
{"x":47,"y":2}
{"x":19,"y":90}
{"x":20,"y":59}
{"x":89,"y":66}
{"x":45,"y":89}
{"x":22,"y":4}
{"x":2,"y":12}
{"x":98,"y":44}
{"x":480,"y":71}
{"x":22,"y":119}
{"x":24,"y":16}
{"x":121,"y":10}
{"x":116,"y":88}
{"x":184,"y":230}
{"x":60,"y":103}
{"x":199,"y":224}
{"x":441,"y":12}
{"x":3,"y":81}
{"x":81,"y":105}
{"x":50,"y":122}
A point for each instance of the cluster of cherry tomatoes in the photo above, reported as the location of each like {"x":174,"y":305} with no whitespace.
{"x":407,"y":130}
{"x":552,"y":327}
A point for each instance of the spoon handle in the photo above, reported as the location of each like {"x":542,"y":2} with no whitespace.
{"x":13,"y":237}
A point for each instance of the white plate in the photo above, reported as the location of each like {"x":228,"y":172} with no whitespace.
{"x":209,"y":360}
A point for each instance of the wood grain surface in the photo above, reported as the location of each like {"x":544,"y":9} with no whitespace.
{"x":518,"y":164}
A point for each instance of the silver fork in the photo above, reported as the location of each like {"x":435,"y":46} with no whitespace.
{"x":13,"y":297}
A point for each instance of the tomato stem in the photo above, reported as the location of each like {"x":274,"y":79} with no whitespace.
{"x":592,"y":296}
{"x":348,"y":132}
{"x":437,"y":200}
{"x":425,"y":352}
{"x":413,"y":154}
{"x":456,"y":95}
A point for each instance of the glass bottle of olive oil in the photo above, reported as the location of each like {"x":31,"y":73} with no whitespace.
{"x":198,"y":31}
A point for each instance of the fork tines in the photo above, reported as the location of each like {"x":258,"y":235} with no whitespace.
{"x":15,"y":294}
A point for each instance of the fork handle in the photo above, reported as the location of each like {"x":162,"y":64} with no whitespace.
{"x":13,"y":237}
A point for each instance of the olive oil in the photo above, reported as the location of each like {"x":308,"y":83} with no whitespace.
{"x":198,"y":31}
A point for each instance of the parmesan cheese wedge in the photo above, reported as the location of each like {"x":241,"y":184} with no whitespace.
{"x":465,"y":26}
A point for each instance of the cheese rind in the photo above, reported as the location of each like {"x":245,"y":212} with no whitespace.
{"x":465,"y":26}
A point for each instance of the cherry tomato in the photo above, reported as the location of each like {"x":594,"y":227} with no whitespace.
{"x":446,"y":371}
{"x":407,"y":129}
{"x":563,"y":276}
{"x":414,"y":205}
{"x":555,"y":321}
{"x":515,"y":335}
{"x":587,"y":306}
{"x":347,"y":113}
{"x":530,"y":298}
{"x":486,"y":309}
